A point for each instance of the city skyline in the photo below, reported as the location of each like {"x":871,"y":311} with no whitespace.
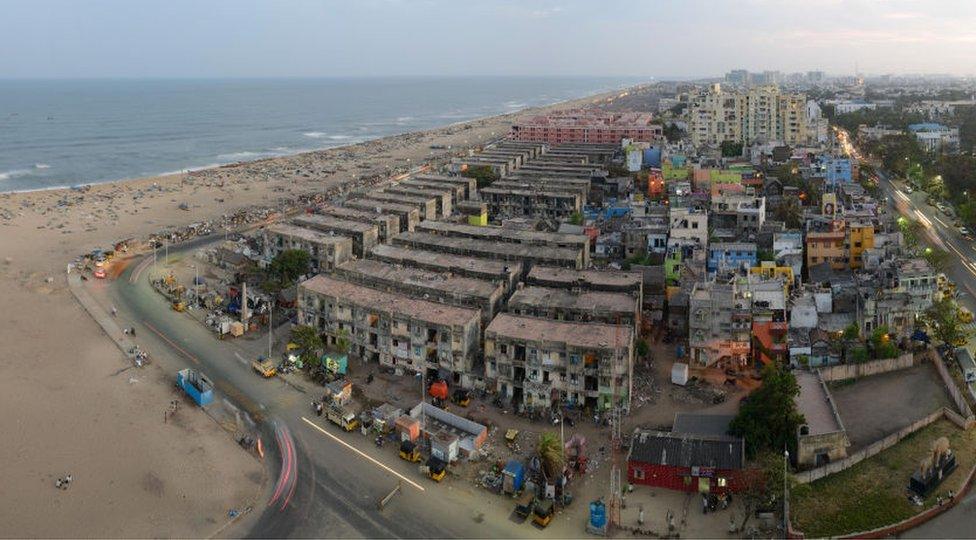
{"x":307,"y":38}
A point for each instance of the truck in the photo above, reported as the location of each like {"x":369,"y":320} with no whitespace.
{"x":265,"y":367}
{"x":342,"y":417}
{"x":196,"y":385}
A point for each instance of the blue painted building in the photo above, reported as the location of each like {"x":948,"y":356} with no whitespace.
{"x":837,"y":170}
{"x":732,"y":256}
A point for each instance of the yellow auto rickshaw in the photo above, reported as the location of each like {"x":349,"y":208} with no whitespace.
{"x":436,"y":469}
{"x":409,"y":451}
{"x":461,"y":397}
{"x":542,"y":514}
{"x":179,"y":305}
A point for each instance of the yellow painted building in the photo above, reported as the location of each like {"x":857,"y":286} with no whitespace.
{"x":769,"y":270}
{"x":860,"y":238}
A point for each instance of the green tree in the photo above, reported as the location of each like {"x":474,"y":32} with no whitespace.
{"x":731,"y":149}
{"x":852,"y":332}
{"x":484,"y":175}
{"x":911,"y":231}
{"x":309,"y":341}
{"x":943,"y":322}
{"x":938,"y":258}
{"x":768,"y":419}
{"x":342,"y":341}
{"x":287,"y":267}
{"x":550,"y":451}
{"x":673,"y":133}
{"x":762,"y":484}
{"x":881,"y":343}
{"x":576,"y":218}
{"x":642,"y":348}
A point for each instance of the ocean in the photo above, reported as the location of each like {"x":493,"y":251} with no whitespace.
{"x":59,"y":133}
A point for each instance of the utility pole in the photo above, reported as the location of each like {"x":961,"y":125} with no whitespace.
{"x":270,"y":328}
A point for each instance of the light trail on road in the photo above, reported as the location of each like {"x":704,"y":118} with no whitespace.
{"x":358,"y":451}
{"x":288,"y":478}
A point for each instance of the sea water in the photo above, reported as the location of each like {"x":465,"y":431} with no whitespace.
{"x":56,"y":133}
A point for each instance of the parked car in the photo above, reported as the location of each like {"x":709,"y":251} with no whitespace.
{"x":965,"y":232}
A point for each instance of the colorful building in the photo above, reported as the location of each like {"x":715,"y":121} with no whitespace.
{"x":686,"y":461}
{"x":588,"y":127}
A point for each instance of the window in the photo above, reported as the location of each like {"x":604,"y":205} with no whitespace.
{"x":638,"y":474}
{"x":722,"y":482}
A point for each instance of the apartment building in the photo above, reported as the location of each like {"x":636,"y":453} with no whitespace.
{"x":576,"y":305}
{"x":409,"y":216}
{"x":744,"y":213}
{"x":760,"y":114}
{"x":577,"y":242}
{"x":732,"y":256}
{"x":325,"y":250}
{"x":688,"y":226}
{"x":469,"y":186}
{"x":527,"y":254}
{"x":458,"y":191}
{"x":388,"y":225}
{"x":935,"y":137}
{"x":364,"y":235}
{"x":443,"y":197}
{"x":838,"y":242}
{"x":719,"y":324}
{"x":392,"y":329}
{"x":591,"y":280}
{"x":542,"y":364}
{"x":506,"y":202}
{"x":443,"y":288}
{"x":427,"y":206}
{"x":586,"y":126}
{"x":505,"y":272}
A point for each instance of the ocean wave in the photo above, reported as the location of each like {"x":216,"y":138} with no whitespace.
{"x":236,"y":156}
{"x":314,"y":134}
{"x":340,"y":137}
{"x":15,"y":173}
{"x":41,"y":166}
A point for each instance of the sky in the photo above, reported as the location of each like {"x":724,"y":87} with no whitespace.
{"x":322,"y":38}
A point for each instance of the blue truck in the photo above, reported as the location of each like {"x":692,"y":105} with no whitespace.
{"x":196,"y":385}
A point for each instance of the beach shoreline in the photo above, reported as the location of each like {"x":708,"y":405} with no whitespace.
{"x":67,"y":411}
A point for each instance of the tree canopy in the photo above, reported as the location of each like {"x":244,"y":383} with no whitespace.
{"x":309,"y":342}
{"x":287,"y":267}
{"x":943,"y":321}
{"x":768,"y":418}
{"x":484,"y":175}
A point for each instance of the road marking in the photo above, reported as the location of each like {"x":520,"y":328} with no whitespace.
{"x":356,"y":450}
{"x":901,"y":195}
{"x":241,"y":358}
{"x":940,"y":221}
{"x":921,"y":217}
{"x":171,"y":342}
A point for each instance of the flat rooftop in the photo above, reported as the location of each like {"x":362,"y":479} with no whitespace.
{"x":392,"y":273}
{"x":310,"y":235}
{"x":396,"y":197}
{"x":355,"y":214}
{"x":529,"y":192}
{"x":448,"y":263}
{"x":501,"y":233}
{"x":334,"y":223}
{"x":507,"y":250}
{"x":576,"y":334}
{"x":584,"y":301}
{"x":596,"y":278}
{"x":371,"y":205}
{"x":814,"y":404}
{"x":391,"y":303}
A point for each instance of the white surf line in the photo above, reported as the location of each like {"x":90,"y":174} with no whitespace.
{"x":356,"y":450}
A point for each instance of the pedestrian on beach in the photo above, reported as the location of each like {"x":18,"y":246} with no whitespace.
{"x":59,"y":483}
{"x":114,"y":311}
{"x":67,"y":480}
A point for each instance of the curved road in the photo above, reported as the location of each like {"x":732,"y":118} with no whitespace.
{"x":324,"y":482}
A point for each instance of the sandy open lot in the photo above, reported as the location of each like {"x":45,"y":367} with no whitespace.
{"x":68,"y":407}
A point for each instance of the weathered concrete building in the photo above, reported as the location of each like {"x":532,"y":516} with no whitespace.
{"x":505,"y":202}
{"x":719,"y":324}
{"x":458,"y":191}
{"x":427,"y":206}
{"x":364,"y":235}
{"x":504,"y":272}
{"x":576,"y":305}
{"x":444,"y":288}
{"x":540,"y":363}
{"x":325,"y":250}
{"x":590,"y":280}
{"x":822,"y":438}
{"x":577,"y":242}
{"x":394,"y":330}
{"x":469,"y":185}
{"x":527,"y":254}
{"x":409,"y":216}
{"x":388,"y":225}
{"x":443,"y":197}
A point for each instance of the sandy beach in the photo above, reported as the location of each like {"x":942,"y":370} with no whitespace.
{"x":69,"y":409}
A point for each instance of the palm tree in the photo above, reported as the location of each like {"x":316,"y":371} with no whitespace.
{"x":550,"y":450}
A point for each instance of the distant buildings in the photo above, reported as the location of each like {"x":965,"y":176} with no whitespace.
{"x":848,"y":106}
{"x":757,"y":114}
{"x":586,"y":126}
{"x":935,"y":137}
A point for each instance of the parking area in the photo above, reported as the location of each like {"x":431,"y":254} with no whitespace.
{"x":876,"y":406}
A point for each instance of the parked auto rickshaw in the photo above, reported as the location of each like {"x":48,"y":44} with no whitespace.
{"x":179,"y":306}
{"x":461,"y":397}
{"x":436,"y":469}
{"x":409,"y":451}
{"x":543,"y":513}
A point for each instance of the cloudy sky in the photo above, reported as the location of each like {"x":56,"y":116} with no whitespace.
{"x":314,"y":38}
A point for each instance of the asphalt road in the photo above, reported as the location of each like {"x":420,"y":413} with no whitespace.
{"x":960,"y":521}
{"x":324,"y":482}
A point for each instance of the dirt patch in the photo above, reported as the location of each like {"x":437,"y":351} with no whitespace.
{"x":153,"y":484}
